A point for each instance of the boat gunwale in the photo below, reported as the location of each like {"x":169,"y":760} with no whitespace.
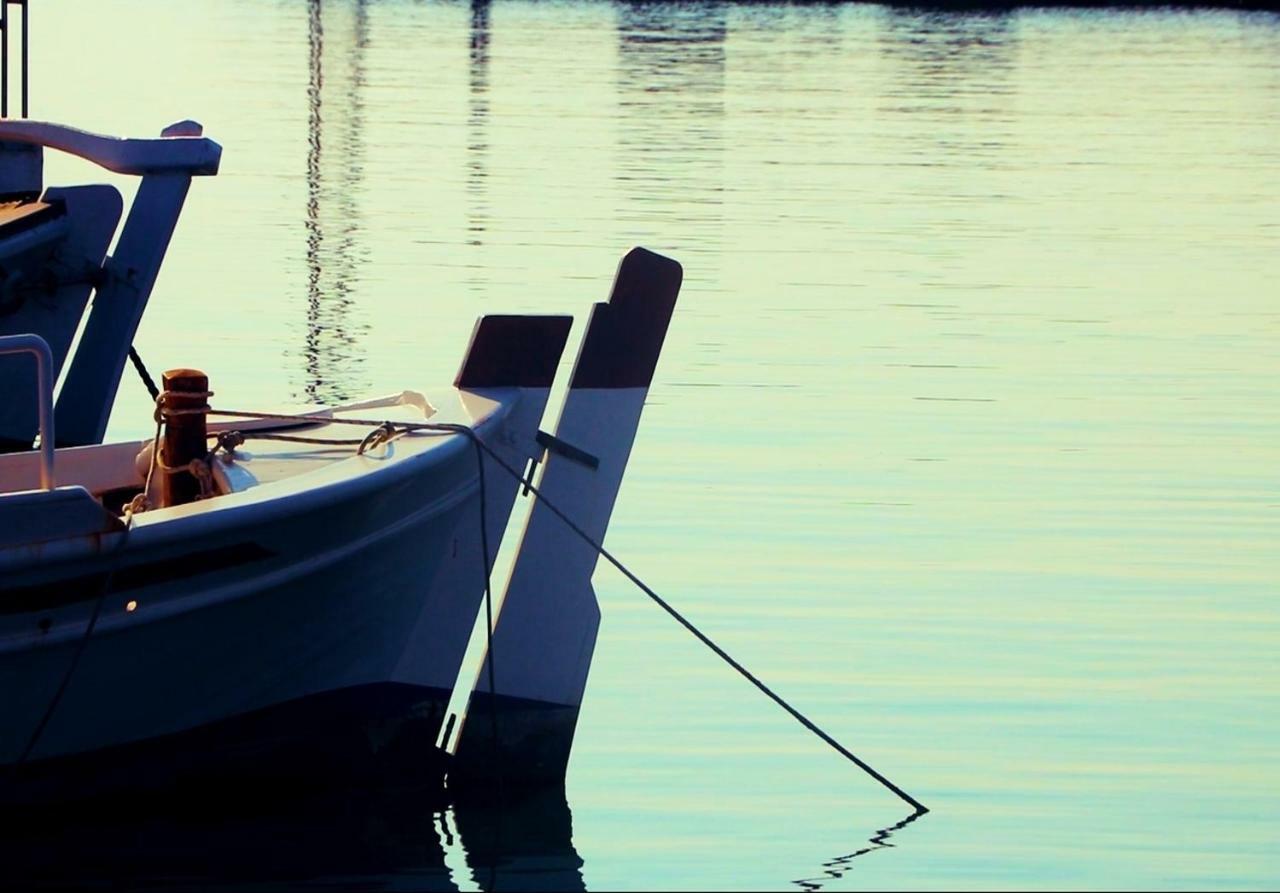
{"x":356,"y":476}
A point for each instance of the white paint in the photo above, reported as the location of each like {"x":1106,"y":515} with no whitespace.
{"x":185,"y":150}
{"x":546,"y":628}
{"x":450,"y":613}
{"x":386,"y":590}
{"x":97,"y":468}
{"x":40,"y":515}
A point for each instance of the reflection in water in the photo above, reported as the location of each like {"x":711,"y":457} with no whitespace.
{"x":834,"y":869}
{"x":671,"y":69}
{"x":331,"y":354}
{"x":937,"y":52}
{"x":957,"y":71}
{"x":331,"y":842}
{"x":1125,"y":475}
{"x":525,"y":845}
{"x":477,"y":121}
{"x":948,"y":104}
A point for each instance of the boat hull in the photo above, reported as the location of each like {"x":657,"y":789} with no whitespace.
{"x":366,"y":737}
{"x":317,"y":642}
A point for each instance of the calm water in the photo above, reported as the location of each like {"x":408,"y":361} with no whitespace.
{"x":965,"y":436}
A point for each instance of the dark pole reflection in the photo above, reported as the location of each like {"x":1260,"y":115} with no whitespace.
{"x":357,"y":840}
{"x":315,"y":100}
{"x":477,"y":123}
{"x":671,"y":71}
{"x":954,"y":73}
{"x":335,"y":168}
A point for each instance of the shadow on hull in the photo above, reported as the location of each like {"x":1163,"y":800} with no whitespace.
{"x":359,"y":738}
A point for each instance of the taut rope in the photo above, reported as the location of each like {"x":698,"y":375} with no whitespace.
{"x":444,"y":428}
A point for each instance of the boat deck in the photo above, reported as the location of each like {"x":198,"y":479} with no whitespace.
{"x":279,"y":457}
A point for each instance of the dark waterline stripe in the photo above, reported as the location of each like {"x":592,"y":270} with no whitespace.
{"x":86,"y":587}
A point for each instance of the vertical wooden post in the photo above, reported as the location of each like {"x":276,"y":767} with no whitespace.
{"x":184,"y":433}
{"x":4,"y":58}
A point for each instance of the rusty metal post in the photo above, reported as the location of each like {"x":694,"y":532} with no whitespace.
{"x":186,"y":393}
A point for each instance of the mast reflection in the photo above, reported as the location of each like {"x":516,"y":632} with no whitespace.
{"x":671,"y":72}
{"x":477,"y":124}
{"x":952,"y":72}
{"x":332,"y":357}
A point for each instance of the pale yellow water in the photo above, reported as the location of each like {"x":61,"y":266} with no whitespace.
{"x":966,"y":435}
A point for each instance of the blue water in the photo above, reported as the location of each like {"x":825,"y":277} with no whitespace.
{"x":965,"y":436}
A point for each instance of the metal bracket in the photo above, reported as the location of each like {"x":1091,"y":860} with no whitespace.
{"x":553,"y":444}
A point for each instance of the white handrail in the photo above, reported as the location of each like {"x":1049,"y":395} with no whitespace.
{"x":180,"y":147}
{"x":39,"y":348}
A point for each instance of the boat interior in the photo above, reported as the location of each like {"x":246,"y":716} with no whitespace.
{"x":96,"y":484}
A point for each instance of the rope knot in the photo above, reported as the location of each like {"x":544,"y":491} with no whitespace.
{"x":228,"y":441}
{"x":164,"y":412}
{"x":377,"y":437}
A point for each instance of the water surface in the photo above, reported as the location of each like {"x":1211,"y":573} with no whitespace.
{"x":965,"y":435}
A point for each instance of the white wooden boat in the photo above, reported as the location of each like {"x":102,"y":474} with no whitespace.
{"x":307,"y":616}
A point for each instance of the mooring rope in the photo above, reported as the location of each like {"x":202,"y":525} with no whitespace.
{"x":385,"y":431}
{"x":809,"y":724}
{"x":147,"y":380}
{"x":451,"y":428}
{"x":389,"y":429}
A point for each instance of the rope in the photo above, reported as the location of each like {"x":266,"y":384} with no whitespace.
{"x":294,"y":438}
{"x":449,"y":428}
{"x":919,"y":807}
{"x":384,"y":433}
{"x":143,"y":373}
{"x":440,"y":428}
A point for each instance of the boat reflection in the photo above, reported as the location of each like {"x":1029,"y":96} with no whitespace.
{"x":354,"y":841}
{"x":525,"y":843}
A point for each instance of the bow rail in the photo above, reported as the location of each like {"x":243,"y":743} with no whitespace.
{"x":180,"y":148}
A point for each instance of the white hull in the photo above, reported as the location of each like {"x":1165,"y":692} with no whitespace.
{"x":294,"y":606}
{"x":363,"y":581}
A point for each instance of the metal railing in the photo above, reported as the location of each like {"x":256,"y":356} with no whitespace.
{"x":4,"y":54}
{"x":39,"y":348}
